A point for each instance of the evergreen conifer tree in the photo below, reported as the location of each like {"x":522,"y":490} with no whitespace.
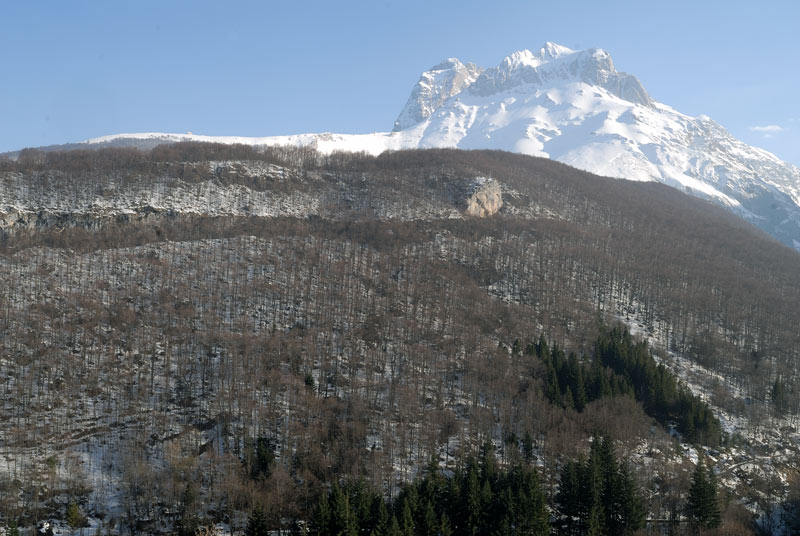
{"x":394,"y":527}
{"x":631,"y":503}
{"x":379,"y":516}
{"x":702,"y":507}
{"x":429,"y":525}
{"x":594,"y":525}
{"x":74,"y":517}
{"x":257,"y":523}
{"x":321,"y":519}
{"x":472,"y":500}
{"x":531,"y":512}
{"x":581,"y":398}
{"x":527,"y":446}
{"x":445,"y":528}
{"x":714,"y":515}
{"x":542,"y":349}
{"x":569,"y":401}
{"x":568,"y":497}
{"x":779,"y":397}
{"x":407,"y":520}
{"x":342,"y":517}
{"x":504,"y":512}
{"x":487,"y":501}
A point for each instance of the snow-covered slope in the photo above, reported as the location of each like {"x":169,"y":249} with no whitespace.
{"x":575,"y":107}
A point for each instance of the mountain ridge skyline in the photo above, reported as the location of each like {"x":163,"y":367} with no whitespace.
{"x":78,"y":72}
{"x":575,"y":107}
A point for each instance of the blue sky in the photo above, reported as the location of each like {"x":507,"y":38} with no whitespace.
{"x":74,"y":70}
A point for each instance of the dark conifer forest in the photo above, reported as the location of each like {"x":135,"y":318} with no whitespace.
{"x":204,"y":338}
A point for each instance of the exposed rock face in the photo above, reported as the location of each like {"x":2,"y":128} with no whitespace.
{"x":485,"y":198}
{"x":555,"y":65}
{"x":434,"y":87}
{"x":187,"y":191}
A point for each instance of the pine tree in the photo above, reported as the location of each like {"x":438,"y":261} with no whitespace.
{"x":542,"y":348}
{"x":187,"y":523}
{"x":630,"y":503}
{"x":342,"y":518}
{"x":487,"y":500}
{"x":594,"y":525}
{"x":702,"y":507}
{"x":472,"y":500}
{"x":568,"y":497}
{"x":74,"y":517}
{"x":779,"y":397}
{"x":320,"y":521}
{"x":504,"y":513}
{"x":532,"y":515}
{"x":599,"y":495}
{"x":590,"y":488}
{"x":261,"y":458}
{"x":569,"y":401}
{"x":580,"y":393}
{"x":714,"y":515}
{"x":379,"y":516}
{"x":696,"y":501}
{"x":257,"y":523}
{"x":407,"y":520}
{"x":429,"y":523}
{"x":527,"y":446}
{"x":689,"y":428}
{"x":552,"y":390}
{"x":445,"y":528}
{"x":488,"y":463}
{"x":394,"y":527}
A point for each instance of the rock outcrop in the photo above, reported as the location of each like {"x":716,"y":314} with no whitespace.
{"x":484,"y":198}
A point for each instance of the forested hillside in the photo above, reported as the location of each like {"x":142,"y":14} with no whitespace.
{"x":280,"y":329}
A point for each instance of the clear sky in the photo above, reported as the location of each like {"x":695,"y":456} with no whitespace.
{"x":75,"y":70}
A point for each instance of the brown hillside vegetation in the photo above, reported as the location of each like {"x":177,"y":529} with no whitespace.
{"x":373,"y":332}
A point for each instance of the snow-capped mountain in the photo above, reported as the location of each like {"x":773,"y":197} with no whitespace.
{"x":575,"y":107}
{"x":434,"y":88}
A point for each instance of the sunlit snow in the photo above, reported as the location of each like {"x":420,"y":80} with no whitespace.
{"x":574,"y":107}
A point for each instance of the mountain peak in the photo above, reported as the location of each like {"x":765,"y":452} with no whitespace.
{"x":521,"y":58}
{"x":555,"y":65}
{"x":551,"y":65}
{"x":449,"y":63}
{"x":434,"y":86}
{"x":552,"y":51}
{"x":548,"y":52}
{"x":525,"y":58}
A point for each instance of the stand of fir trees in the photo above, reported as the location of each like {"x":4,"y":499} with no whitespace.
{"x":598,"y":495}
{"x":573,"y":384}
{"x":662,"y":395}
{"x":625,"y":367}
{"x":477,"y":498}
